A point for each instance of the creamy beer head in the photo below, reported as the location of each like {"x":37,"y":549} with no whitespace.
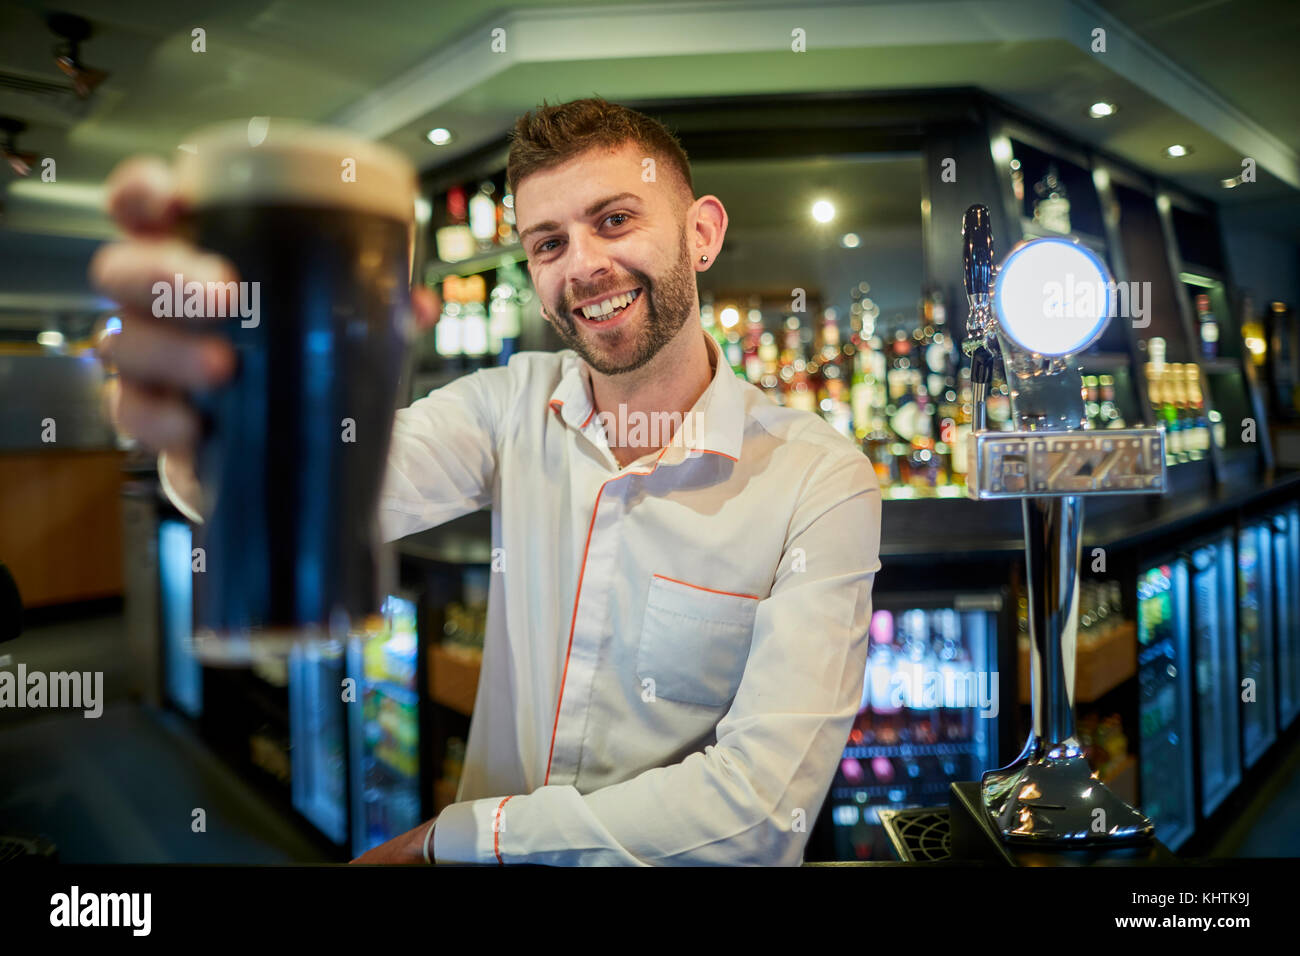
{"x":289,"y":162}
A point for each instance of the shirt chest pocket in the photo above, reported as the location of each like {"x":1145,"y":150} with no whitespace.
{"x":694,"y":642}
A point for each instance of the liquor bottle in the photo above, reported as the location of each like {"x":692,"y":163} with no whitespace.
{"x":833,"y":385}
{"x":953,"y":664}
{"x":1196,"y":424}
{"x":769,"y":356}
{"x":882,"y":665}
{"x":505,"y":313}
{"x":1091,"y":402}
{"x":1052,"y":207}
{"x":898,"y":374}
{"x":962,"y":415}
{"x":800,"y":392}
{"x":1208,"y":326}
{"x":936,"y":346}
{"x":709,"y":320}
{"x":750,"y":342}
{"x":923,"y":465}
{"x":1196,"y":400}
{"x":1109,"y":412}
{"x":860,"y":394}
{"x":879,"y":444}
{"x":474,"y":331}
{"x":483,"y":216}
{"x":998,"y":405}
{"x":448,"y":337}
{"x":734,"y":352}
{"x":1163,"y":398}
{"x":453,"y":240}
{"x":914,"y":669}
{"x":506,"y":233}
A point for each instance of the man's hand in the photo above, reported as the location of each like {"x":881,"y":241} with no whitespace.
{"x":158,"y":361}
{"x":407,"y":848}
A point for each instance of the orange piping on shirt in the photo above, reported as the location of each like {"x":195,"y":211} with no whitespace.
{"x":574,"y":619}
{"x":710,"y":590}
{"x":496,"y":829}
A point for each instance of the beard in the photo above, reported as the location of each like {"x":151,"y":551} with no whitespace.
{"x":669,"y":302}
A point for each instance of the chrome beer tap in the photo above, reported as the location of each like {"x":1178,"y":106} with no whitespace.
{"x":1048,"y":796}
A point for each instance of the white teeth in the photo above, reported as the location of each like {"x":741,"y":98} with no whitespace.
{"x":602,"y":309}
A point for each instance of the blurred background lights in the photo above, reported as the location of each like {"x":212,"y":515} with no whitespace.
{"x":823,"y":210}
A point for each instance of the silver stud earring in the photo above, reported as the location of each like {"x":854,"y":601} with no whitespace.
{"x":704,"y":258}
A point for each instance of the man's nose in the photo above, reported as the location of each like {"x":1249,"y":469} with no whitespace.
{"x":589,"y":261}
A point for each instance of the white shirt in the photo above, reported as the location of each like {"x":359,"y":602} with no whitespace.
{"x":675,"y":649}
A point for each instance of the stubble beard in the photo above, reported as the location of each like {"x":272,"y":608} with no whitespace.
{"x":669,"y":303}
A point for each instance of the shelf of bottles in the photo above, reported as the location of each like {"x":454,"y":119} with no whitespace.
{"x":1195,"y":389}
{"x":893,"y":386}
{"x":479,"y":272}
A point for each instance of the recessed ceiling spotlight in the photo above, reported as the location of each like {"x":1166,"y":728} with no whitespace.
{"x":1102,"y":109}
{"x":823,"y":210}
{"x":439,"y":136}
{"x":1178,"y":149}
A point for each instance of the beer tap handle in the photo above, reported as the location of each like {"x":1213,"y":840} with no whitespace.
{"x":981,"y":373}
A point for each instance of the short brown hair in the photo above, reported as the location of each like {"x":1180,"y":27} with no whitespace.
{"x":551,"y":135}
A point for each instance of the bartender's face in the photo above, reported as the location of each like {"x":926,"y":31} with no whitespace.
{"x":592,"y":230}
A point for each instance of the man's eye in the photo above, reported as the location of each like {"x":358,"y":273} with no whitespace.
{"x":541,"y":247}
{"x":616,"y":215}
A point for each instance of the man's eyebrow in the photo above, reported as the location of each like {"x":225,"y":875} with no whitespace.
{"x":591,"y":210}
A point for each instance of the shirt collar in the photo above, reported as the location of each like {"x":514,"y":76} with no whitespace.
{"x":715,"y":425}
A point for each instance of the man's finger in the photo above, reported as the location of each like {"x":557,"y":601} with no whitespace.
{"x":128,"y":271}
{"x":141,"y":196}
{"x":426,"y":305}
{"x":160,"y":422}
{"x":148,"y":351}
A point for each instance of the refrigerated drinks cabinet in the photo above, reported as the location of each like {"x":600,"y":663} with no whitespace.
{"x":929,"y":715}
{"x":1255,"y":639}
{"x":1164,"y":705}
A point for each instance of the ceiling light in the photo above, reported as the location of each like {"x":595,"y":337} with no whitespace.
{"x":850,"y":240}
{"x":823,"y":210}
{"x":1178,"y":149}
{"x":1102,"y":109}
{"x":439,"y":136}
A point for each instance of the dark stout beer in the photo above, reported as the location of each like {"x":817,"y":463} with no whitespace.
{"x":318,"y":226}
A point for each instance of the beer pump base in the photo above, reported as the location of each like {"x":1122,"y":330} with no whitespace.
{"x":974,"y":838}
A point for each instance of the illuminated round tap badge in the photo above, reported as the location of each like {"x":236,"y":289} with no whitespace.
{"x":1052,"y":296}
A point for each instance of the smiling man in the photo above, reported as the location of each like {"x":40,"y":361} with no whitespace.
{"x":677,"y":637}
{"x":675,"y":649}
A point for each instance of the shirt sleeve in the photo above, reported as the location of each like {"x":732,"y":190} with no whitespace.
{"x":751,"y":798}
{"x":443,"y":457}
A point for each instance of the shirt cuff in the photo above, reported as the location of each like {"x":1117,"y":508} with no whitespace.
{"x":471,"y":832}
